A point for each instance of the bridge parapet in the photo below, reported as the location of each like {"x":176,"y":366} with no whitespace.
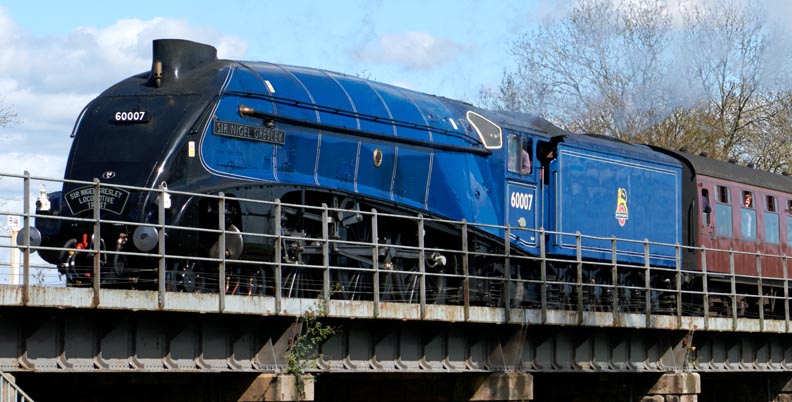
{"x":574,"y":313}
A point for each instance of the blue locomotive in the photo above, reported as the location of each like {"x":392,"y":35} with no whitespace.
{"x":304,"y":136}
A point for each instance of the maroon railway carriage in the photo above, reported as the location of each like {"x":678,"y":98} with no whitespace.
{"x":732,"y":207}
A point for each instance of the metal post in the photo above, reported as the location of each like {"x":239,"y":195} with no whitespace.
{"x":14,"y":278}
{"x":161,"y":246}
{"x":97,"y":242}
{"x":278,"y":256}
{"x":786,"y":292}
{"x":375,"y":261}
{"x":221,"y":251}
{"x":543,"y":273}
{"x":26,"y":255}
{"x":507,"y":276}
{"x":465,"y":271}
{"x":733,"y":289}
{"x":678,"y":284}
{"x":579,"y":274}
{"x":614,"y":278}
{"x":648,"y":284}
{"x":705,"y":286}
{"x":325,"y":256}
{"x":760,"y":289}
{"x":421,"y":267}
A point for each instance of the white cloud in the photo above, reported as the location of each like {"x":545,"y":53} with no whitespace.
{"x":412,"y":50}
{"x":402,"y":84}
{"x":48,"y":80}
{"x":89,"y":59}
{"x":38,"y":164}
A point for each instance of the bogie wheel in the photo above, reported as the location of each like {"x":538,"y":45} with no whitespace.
{"x":187,"y":276}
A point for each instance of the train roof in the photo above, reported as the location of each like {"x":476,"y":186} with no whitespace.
{"x":705,"y":166}
{"x":619,"y":147}
{"x":327,"y":100}
{"x":358,"y":97}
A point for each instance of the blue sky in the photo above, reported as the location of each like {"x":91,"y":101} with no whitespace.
{"x":57,"y":60}
{"x":448,"y":47}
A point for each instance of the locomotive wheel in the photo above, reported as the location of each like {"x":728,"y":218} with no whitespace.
{"x":233,"y":281}
{"x":299,"y":279}
{"x":250,"y":282}
{"x":302,"y":281}
{"x":355,"y":284}
{"x":437,"y":285}
{"x":258,"y":282}
{"x":119,"y":265}
{"x":398,"y":286}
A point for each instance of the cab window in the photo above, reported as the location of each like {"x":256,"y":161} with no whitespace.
{"x":488,"y":132}
{"x":526,"y":161}
{"x":514,"y":159}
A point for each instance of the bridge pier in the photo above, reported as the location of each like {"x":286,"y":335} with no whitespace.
{"x":674,"y":387}
{"x":425,"y":387}
{"x":495,"y":387}
{"x":279,"y":387}
{"x":780,"y":389}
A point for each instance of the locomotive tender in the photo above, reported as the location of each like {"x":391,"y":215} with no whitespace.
{"x":304,"y":136}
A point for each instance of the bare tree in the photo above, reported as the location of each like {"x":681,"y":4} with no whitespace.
{"x":712,"y":80}
{"x":597,"y":70}
{"x":727,"y":43}
{"x":770,"y":145}
{"x":7,"y":115}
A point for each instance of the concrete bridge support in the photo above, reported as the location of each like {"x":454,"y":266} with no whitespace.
{"x":425,"y":387}
{"x":278,"y":387}
{"x":780,"y":389}
{"x":674,"y":387}
{"x":495,"y":387}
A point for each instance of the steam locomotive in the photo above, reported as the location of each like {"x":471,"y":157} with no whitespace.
{"x":262,"y":131}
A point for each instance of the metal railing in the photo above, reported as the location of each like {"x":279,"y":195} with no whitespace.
{"x":346,"y":253}
{"x":10,"y":391}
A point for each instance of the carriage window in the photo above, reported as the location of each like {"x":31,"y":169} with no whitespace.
{"x":789,"y":231}
{"x":723,"y":213}
{"x":770,"y":203}
{"x":771,"y":224}
{"x":513,"y":163}
{"x":525,"y":156}
{"x":723,"y":220}
{"x":789,"y":207}
{"x":723,"y":194}
{"x":705,"y":206}
{"x":747,"y":217}
{"x":747,"y":199}
{"x":771,"y":228}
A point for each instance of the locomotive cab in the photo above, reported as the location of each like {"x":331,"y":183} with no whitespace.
{"x":523,"y":191}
